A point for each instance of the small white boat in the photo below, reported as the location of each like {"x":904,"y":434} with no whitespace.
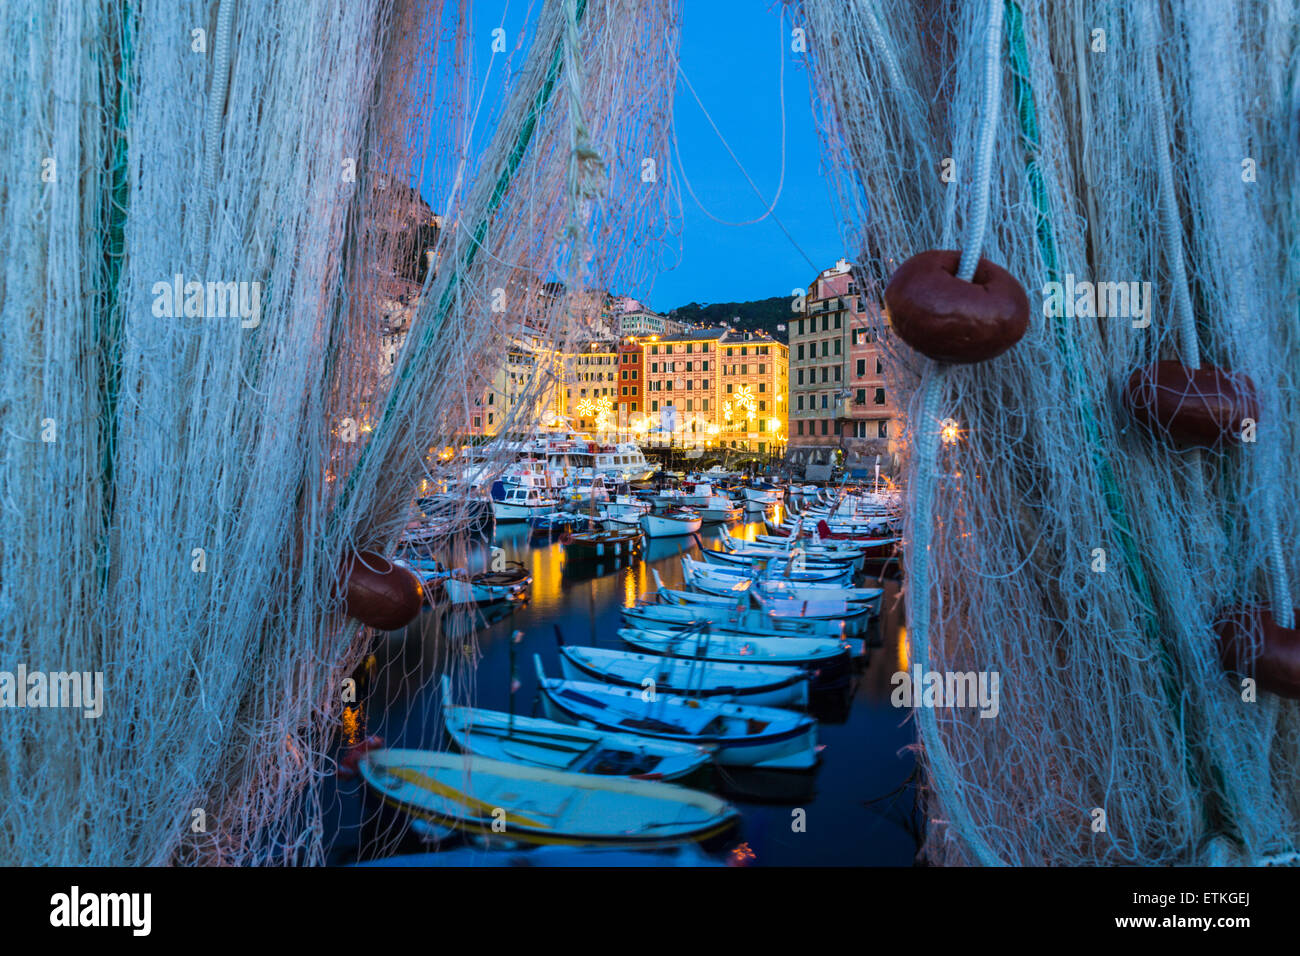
{"x":488,"y":587}
{"x":827,"y":655}
{"x":538,"y":805}
{"x":548,"y":743}
{"x":728,"y":618}
{"x":831,"y":577}
{"x":623,"y":511}
{"x":520,"y":503}
{"x":702,"y":578}
{"x":745,"y":735}
{"x":777,"y":686}
{"x":670,"y":524}
{"x":763,"y":494}
{"x":775,"y":563}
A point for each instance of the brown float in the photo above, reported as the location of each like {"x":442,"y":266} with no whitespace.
{"x":1202,"y":407}
{"x":950,"y":319}
{"x":381,"y":594}
{"x":1272,"y":658}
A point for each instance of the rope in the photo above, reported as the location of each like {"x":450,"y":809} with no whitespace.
{"x":970,"y":254}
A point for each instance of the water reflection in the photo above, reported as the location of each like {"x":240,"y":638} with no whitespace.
{"x":865,"y":739}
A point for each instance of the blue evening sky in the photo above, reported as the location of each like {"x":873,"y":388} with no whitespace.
{"x":731,"y":53}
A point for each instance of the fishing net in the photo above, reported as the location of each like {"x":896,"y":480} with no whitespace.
{"x":1077,"y":555}
{"x":186,"y":468}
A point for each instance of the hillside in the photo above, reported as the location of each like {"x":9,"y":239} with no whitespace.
{"x":758,"y":315}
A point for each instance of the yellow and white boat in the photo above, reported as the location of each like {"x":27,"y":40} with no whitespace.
{"x":536,"y":805}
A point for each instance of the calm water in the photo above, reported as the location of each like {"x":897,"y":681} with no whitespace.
{"x":858,"y":804}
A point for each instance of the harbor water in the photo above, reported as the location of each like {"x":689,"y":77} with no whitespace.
{"x":857,"y":808}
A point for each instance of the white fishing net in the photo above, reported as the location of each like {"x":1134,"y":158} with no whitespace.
{"x":183,"y":527}
{"x":1135,"y":143}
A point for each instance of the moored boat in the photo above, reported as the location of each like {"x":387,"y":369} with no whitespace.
{"x":557,"y":746}
{"x":670,"y":524}
{"x":778,"y":686}
{"x":825,"y":655}
{"x":600,"y":545}
{"x":540,"y":805}
{"x":745,"y":735}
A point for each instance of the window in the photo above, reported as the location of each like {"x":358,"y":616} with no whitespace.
{"x":880,"y":396}
{"x":728,"y":387}
{"x":800,"y":373}
{"x":837,"y":372}
{"x":688,"y":367}
{"x":654,"y":367}
{"x":744,"y":370}
{"x":801,"y":353}
{"x":824,"y":400}
{"x":489,"y":418}
{"x":862,"y":367}
{"x":762,"y":370}
{"x":762,"y":424}
{"x":762,"y":406}
{"x":762,"y":386}
{"x":826,"y":373}
{"x":862,"y":396}
{"x":633,"y":389}
{"x":624,"y":389}
{"x":478,"y":421}
{"x":654,"y":350}
{"x":800,"y":427}
{"x":880,"y":367}
{"x":799,"y":400}
{"x":704,"y":405}
{"x":837,"y":320}
{"x":882,"y":429}
{"x":826,"y":426}
{"x":688,"y":406}
{"x":826,"y":325}
{"x":705,"y":385}
{"x":837,"y":346}
{"x":704,"y":366}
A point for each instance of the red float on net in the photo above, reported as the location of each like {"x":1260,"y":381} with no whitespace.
{"x":1202,"y":407}
{"x":380,"y":593}
{"x":950,"y":319}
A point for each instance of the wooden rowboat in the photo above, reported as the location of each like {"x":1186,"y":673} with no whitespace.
{"x":535,"y":805}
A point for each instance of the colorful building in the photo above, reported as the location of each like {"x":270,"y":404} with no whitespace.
{"x":631,"y":381}
{"x":839,"y":399}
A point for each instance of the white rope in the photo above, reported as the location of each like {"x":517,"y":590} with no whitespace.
{"x":970,"y":254}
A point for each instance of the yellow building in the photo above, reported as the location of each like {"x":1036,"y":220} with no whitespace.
{"x":753,"y":392}
{"x":589,"y":396}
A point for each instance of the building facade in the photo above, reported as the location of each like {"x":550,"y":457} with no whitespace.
{"x":839,"y":399}
{"x":753,"y":392}
{"x":631,"y":382}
